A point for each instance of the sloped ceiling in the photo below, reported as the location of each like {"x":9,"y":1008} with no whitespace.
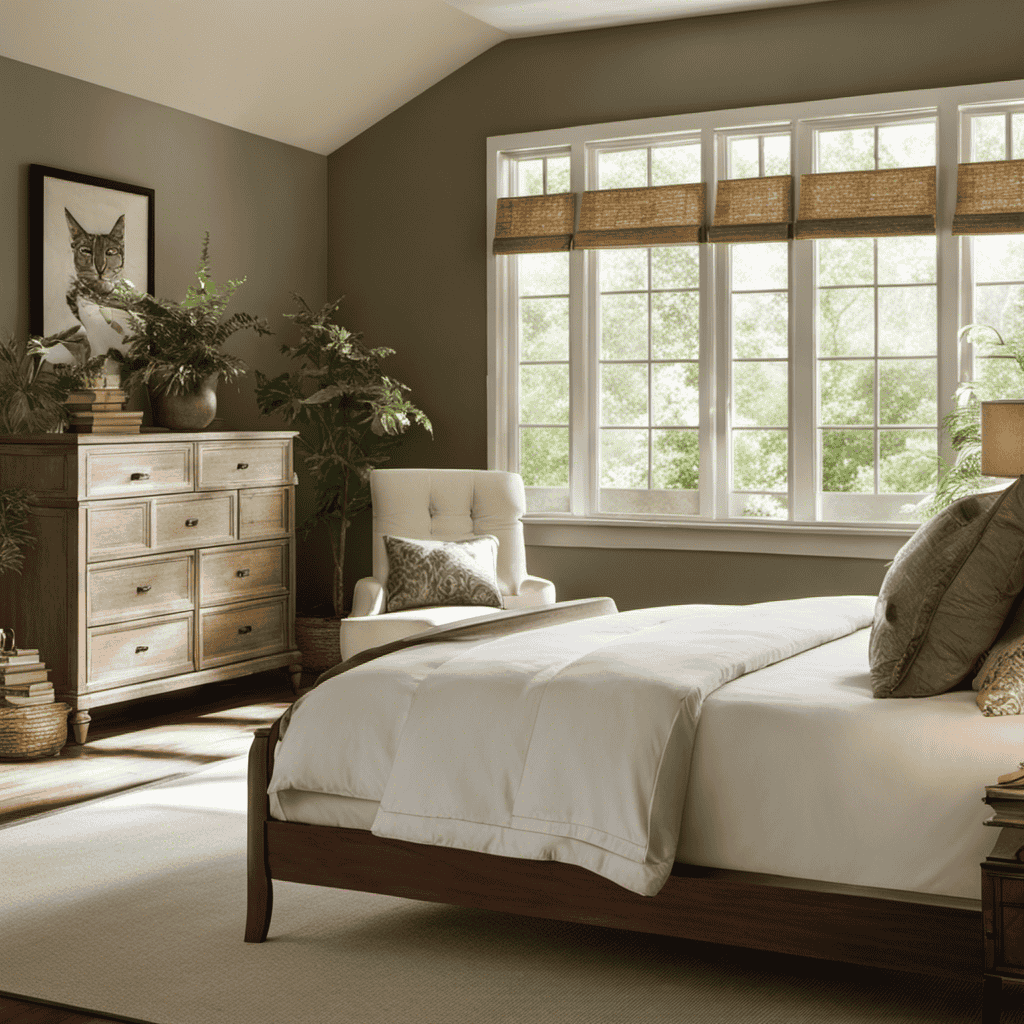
{"x":310,"y":73}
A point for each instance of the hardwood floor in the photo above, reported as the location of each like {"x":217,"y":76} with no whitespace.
{"x":134,"y":746}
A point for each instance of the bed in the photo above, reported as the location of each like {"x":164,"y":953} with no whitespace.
{"x":815,"y":820}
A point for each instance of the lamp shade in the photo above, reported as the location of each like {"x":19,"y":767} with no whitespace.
{"x":1002,"y":438}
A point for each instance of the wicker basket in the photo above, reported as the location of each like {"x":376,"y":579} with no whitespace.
{"x":39,"y":730}
{"x":320,"y":642}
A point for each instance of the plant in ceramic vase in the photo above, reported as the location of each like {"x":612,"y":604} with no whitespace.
{"x":963,"y":425}
{"x":350,"y":414}
{"x":175,"y":348}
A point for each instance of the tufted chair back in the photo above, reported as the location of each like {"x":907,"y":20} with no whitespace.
{"x":451,"y":504}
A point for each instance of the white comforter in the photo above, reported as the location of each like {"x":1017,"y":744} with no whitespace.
{"x":570,"y":742}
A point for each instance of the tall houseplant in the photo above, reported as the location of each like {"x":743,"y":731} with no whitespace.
{"x":175,"y":348}
{"x":15,"y":534}
{"x":349,"y":412}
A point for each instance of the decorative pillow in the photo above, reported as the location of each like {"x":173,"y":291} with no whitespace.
{"x":946,"y":595}
{"x":426,"y":573}
{"x":1000,"y":680}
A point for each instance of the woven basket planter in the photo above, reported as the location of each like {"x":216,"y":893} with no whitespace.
{"x":39,"y":730}
{"x":319,"y":640}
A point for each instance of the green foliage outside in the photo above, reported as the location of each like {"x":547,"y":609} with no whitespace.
{"x":350,"y":414}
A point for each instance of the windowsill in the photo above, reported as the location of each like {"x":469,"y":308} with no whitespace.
{"x":828,"y":540}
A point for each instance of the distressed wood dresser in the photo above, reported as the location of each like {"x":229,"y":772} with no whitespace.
{"x":163,"y":560}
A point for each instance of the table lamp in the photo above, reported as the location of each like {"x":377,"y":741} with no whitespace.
{"x":1002,"y":438}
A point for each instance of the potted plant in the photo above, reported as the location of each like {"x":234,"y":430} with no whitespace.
{"x":175,"y":348}
{"x":963,"y":425}
{"x":33,"y":390}
{"x":350,"y":414}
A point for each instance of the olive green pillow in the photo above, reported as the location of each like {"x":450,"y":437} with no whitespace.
{"x":947,"y":594}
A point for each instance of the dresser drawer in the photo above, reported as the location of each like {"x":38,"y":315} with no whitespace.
{"x":137,"y":469}
{"x":244,"y":463}
{"x":188,"y":522}
{"x":243,"y":573}
{"x":264,"y":512}
{"x":242,"y":631}
{"x":129,"y":654}
{"x":119,"y":591}
{"x":118,"y":529}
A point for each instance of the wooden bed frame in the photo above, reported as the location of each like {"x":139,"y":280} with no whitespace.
{"x":879,"y":929}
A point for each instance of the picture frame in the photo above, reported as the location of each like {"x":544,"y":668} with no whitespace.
{"x":85,"y":234}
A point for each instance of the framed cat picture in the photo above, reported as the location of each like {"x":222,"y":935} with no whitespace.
{"x":86,"y":234}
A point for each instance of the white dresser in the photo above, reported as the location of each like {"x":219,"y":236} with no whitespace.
{"x":164,"y":560}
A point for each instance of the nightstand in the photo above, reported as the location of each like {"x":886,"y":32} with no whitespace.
{"x":1002,"y":898}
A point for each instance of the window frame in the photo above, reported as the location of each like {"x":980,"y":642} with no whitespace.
{"x":580,"y":526}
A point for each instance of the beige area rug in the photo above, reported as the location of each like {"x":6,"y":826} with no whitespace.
{"x":134,"y":906}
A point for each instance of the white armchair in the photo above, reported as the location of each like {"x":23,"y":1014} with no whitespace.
{"x":441,"y":504}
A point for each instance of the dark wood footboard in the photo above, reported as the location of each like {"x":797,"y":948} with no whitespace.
{"x":732,"y":908}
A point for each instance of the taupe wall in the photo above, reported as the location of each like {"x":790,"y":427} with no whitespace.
{"x":408,"y":220}
{"x":264,"y":203}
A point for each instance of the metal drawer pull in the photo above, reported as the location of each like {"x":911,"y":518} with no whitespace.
{"x":191,"y":522}
{"x":241,"y":573}
{"x":243,"y":465}
{"x":245,"y":629}
{"x":143,"y":589}
{"x":141,"y":649}
{"x":140,"y":476}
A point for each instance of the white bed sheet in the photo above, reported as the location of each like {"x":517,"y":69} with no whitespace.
{"x":798,"y":771}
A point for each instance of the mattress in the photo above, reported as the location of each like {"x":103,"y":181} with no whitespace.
{"x":797,"y":771}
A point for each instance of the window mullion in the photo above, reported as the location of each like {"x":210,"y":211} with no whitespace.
{"x":803,"y":400}
{"x":583,"y":321}
{"x":713,"y":430}
{"x":947,"y":270}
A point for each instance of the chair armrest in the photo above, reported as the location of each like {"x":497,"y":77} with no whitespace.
{"x":368,"y":597}
{"x":533,"y":591}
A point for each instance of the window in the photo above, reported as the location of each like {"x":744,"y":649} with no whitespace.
{"x":648,"y":337}
{"x":749,"y":379}
{"x":995,"y":264}
{"x":876,"y":328}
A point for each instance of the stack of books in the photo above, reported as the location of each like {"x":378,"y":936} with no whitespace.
{"x":101,"y":411}
{"x":24,"y":679}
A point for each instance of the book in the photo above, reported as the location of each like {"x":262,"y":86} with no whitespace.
{"x":105,"y":428}
{"x":17,"y":675}
{"x":26,"y":689}
{"x":112,"y":416}
{"x":22,"y":656}
{"x":98,"y":407}
{"x":24,"y":702}
{"x":87,"y":396}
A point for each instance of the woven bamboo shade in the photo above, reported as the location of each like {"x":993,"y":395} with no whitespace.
{"x":857,"y":204}
{"x":618,"y":218}
{"x":535,"y":223}
{"x":753,"y":210}
{"x":989,"y":198}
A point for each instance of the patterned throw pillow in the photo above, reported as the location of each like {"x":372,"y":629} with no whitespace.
{"x":1000,"y":680}
{"x":426,"y":573}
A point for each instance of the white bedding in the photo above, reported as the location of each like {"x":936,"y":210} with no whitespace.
{"x":796,"y":771}
{"x":570,"y":742}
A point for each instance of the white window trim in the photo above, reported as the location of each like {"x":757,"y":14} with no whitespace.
{"x":791,"y":538}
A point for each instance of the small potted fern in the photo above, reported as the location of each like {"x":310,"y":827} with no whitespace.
{"x":175,"y":348}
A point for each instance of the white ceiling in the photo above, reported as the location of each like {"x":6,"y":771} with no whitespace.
{"x":310,"y":73}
